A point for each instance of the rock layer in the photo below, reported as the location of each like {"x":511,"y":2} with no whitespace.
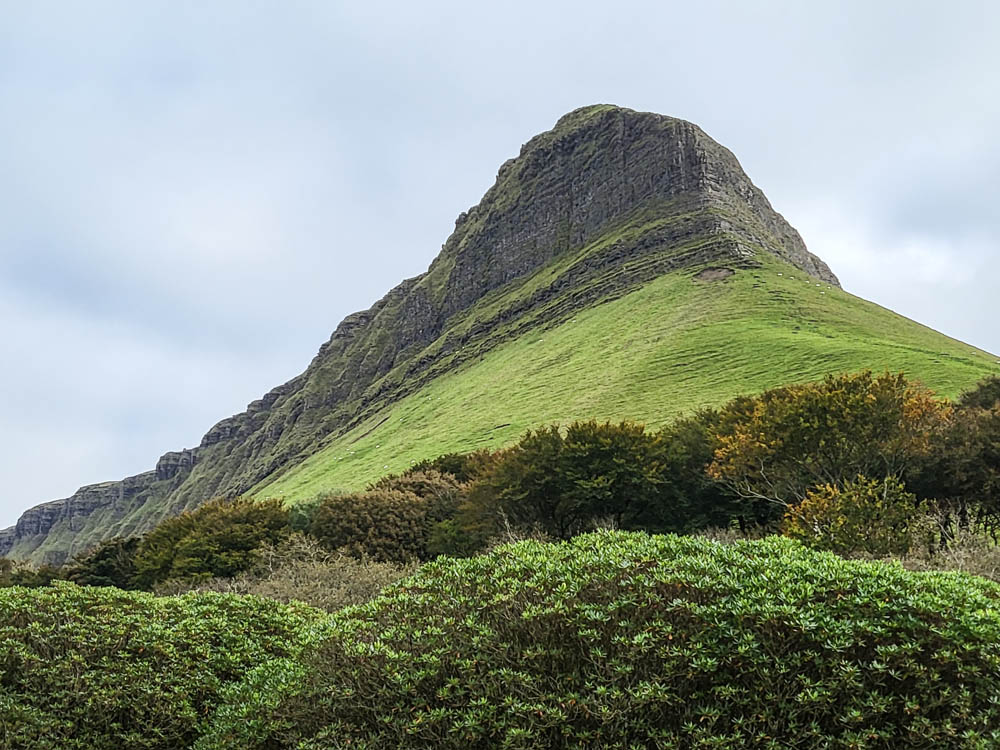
{"x":602,"y":203}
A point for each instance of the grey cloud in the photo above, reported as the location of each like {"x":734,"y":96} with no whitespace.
{"x":193,"y":195}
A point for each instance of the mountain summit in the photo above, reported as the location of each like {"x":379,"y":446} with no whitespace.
{"x":662,"y":280}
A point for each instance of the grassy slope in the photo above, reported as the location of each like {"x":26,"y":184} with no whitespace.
{"x":668,"y":348}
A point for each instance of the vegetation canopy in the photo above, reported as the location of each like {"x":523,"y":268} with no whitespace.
{"x":623,"y":640}
{"x":777,"y":446}
{"x":104,"y":669}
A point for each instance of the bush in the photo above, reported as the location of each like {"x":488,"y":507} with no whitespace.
{"x":100,"y":668}
{"x":776,"y":447}
{"x":874,"y":517}
{"x":218,"y":539}
{"x":301,"y":570}
{"x":985,"y":395}
{"x":385,"y":525}
{"x":622,"y":640}
{"x":563,"y":484}
{"x":110,"y":563}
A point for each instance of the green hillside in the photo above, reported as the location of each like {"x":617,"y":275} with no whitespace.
{"x":674,"y":345}
{"x":570,"y":291}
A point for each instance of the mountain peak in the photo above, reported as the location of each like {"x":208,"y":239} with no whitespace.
{"x":598,"y":166}
{"x":604,"y":203}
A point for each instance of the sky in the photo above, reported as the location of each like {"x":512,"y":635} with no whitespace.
{"x":193,"y":195}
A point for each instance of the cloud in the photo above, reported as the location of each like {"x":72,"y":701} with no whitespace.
{"x":193,"y":195}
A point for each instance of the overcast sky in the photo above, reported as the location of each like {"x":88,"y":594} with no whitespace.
{"x":191,"y":199}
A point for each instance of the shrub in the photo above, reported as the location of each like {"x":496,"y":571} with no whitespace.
{"x":622,"y":640}
{"x":564,"y":483}
{"x":110,"y":563}
{"x":464,"y":467}
{"x":775,"y":448}
{"x":385,"y":525}
{"x":985,"y":395}
{"x":104,"y":669}
{"x":218,"y":539}
{"x":874,"y":517}
{"x":300,"y":569}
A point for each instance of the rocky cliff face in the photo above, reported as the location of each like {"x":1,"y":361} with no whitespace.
{"x":602,"y":203}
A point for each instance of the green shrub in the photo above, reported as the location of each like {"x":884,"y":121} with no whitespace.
{"x":300,"y":569}
{"x":100,"y":668}
{"x":563,"y":483}
{"x":621,"y":640}
{"x":385,"y":525}
{"x":874,"y":517}
{"x":218,"y":539}
{"x":110,"y":563}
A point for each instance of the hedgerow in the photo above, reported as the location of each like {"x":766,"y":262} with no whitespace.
{"x":85,"y":668}
{"x":622,"y":640}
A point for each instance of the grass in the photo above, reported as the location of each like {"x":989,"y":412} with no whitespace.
{"x":672,"y":346}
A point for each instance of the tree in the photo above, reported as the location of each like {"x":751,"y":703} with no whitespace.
{"x":776,"y":447}
{"x":563,"y":483}
{"x":110,"y":563}
{"x":383,"y":524}
{"x":873,"y":516}
{"x":985,"y":395}
{"x":465,"y":467}
{"x":21,"y":573}
{"x":962,"y":470}
{"x":220,"y":538}
{"x":688,"y":498}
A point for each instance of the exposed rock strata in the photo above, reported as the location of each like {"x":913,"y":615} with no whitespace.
{"x":646,"y":194}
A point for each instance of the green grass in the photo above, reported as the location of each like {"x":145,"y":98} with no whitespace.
{"x":672,"y":346}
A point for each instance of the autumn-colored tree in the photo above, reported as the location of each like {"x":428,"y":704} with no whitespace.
{"x":871,"y":516}
{"x":220,"y":538}
{"x":776,"y":447}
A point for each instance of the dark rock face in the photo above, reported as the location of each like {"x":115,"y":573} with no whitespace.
{"x":656,"y":192}
{"x":170,"y":464}
{"x":71,"y":514}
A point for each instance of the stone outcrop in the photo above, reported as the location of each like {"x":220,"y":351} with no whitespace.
{"x":608,"y":199}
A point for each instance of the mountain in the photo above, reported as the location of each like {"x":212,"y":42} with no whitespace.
{"x":622,"y":266}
